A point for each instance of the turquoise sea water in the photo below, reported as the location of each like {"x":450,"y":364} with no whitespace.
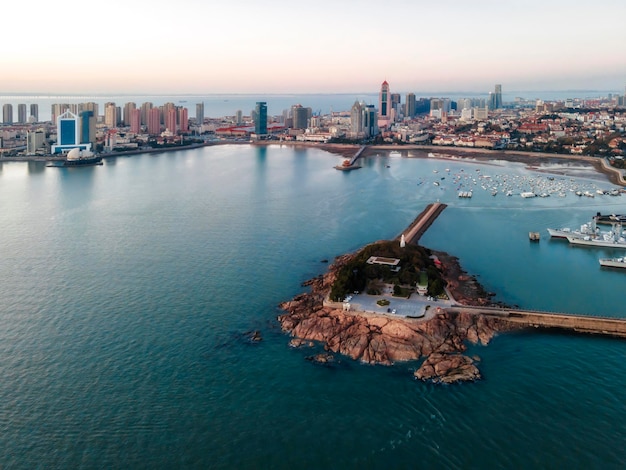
{"x":126,"y":288}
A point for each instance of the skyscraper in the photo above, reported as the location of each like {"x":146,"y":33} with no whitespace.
{"x":145,"y":111}
{"x":383,"y":101}
{"x":7,"y":113}
{"x":199,"y":113}
{"x":495,"y":98}
{"x":21,"y":114}
{"x":170,"y":120}
{"x":87,"y":127}
{"x":300,"y":116}
{"x":110,"y":115}
{"x":135,"y":121}
{"x":154,"y":121}
{"x":238,"y":117}
{"x":260,"y":121}
{"x":183,"y":119}
{"x":34,"y":112}
{"x":128,"y":107}
{"x":356,"y":119}
{"x":409,"y":110}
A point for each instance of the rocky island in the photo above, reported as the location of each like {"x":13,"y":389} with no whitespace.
{"x":439,"y":336}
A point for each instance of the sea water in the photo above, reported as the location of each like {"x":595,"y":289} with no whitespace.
{"x":127,"y":290}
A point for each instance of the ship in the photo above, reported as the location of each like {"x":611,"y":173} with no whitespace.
{"x":613,"y":262}
{"x":76,"y":157}
{"x":610,"y":239}
{"x":586,"y":230}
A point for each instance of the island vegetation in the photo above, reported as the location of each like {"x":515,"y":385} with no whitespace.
{"x":360,"y":276}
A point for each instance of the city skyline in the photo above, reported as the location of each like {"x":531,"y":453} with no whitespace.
{"x":276,"y":47}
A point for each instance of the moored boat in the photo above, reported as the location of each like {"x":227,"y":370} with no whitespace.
{"x":613,"y":262}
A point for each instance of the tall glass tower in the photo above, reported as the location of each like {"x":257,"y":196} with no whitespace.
{"x":260,"y":122}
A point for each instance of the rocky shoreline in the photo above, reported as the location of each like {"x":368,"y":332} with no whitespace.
{"x":382,"y":339}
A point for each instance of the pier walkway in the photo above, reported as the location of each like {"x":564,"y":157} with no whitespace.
{"x":423,"y":221}
{"x":357,"y":154}
{"x":607,"y":326}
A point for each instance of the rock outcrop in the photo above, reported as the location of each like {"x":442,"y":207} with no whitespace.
{"x":448,"y":368}
{"x":379,"y":339}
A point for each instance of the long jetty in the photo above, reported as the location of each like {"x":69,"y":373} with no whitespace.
{"x":423,"y":221}
{"x":608,"y":326}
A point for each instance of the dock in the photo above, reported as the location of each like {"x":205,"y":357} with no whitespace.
{"x":423,"y":221}
{"x":351,"y":164}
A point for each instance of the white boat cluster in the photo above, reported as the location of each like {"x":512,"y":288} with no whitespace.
{"x":526,"y":186}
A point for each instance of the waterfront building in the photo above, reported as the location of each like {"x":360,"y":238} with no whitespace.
{"x":370,"y":121}
{"x":300,"y":116}
{"x":183,"y":119}
{"x":68,"y":135}
{"x":21,"y":113}
{"x":395,"y":104}
{"x":110,"y":115}
{"x":34,"y":112}
{"x":199,"y":113}
{"x":170,"y":120}
{"x":356,"y":119}
{"x":128,"y":108}
{"x":154,"y":121}
{"x":145,"y":111}
{"x":409,"y":106}
{"x":238,"y":117}
{"x":135,"y":121}
{"x":7,"y":113}
{"x":165,"y":109}
{"x":88,"y":127}
{"x":260,"y":121}
{"x":35,"y":141}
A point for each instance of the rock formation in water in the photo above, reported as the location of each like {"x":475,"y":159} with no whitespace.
{"x":380,"y":339}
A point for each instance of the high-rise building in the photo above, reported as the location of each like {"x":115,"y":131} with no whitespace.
{"x":395,"y":102}
{"x":409,"y":106}
{"x":87,"y":127}
{"x":34,"y":112}
{"x":34,"y":141}
{"x":58,"y":109}
{"x":170,"y":120}
{"x":68,"y":134}
{"x":495,"y":98}
{"x":370,"y":121}
{"x":260,"y":121}
{"x":21,"y":113}
{"x":356,"y":119}
{"x":199,"y":113}
{"x":145,"y":111}
{"x":383,"y":101}
{"x":135,"y":121}
{"x":128,"y":108}
{"x":154,"y":121}
{"x":238,"y":117}
{"x":7,"y":113}
{"x":300,"y":117}
{"x":110,"y":115}
{"x":183,"y":119}
{"x":165,"y":109}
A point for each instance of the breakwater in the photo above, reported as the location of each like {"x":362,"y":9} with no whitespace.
{"x":422,"y":222}
{"x":606,"y":326}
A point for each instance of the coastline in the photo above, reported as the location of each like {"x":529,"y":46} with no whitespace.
{"x":614,"y":175}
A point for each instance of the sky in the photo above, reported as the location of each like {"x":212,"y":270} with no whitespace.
{"x":323,"y":46}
